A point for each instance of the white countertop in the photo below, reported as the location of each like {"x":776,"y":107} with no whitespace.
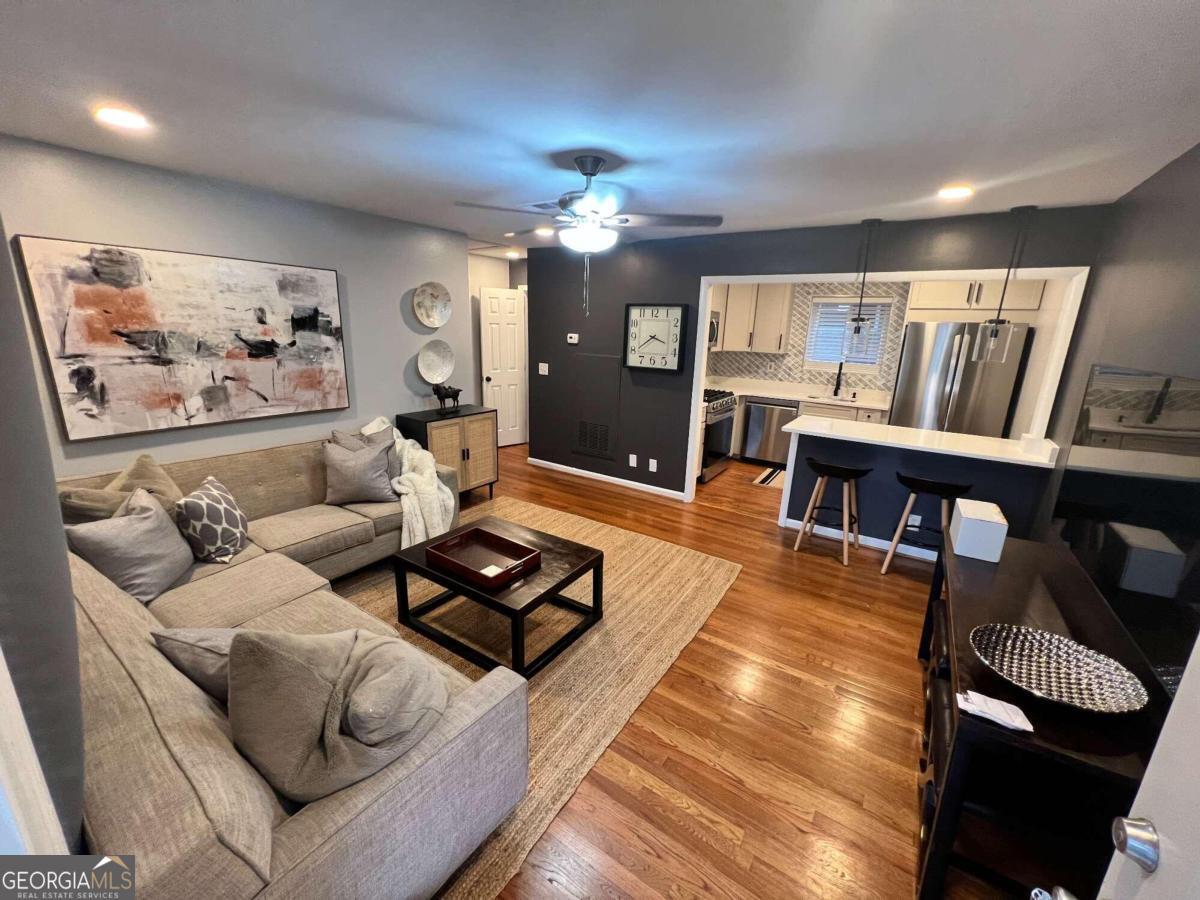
{"x":1134,"y":463}
{"x":808,"y":393}
{"x":1038,"y":452}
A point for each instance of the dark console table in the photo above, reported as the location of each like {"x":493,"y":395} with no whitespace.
{"x":1024,"y":809}
{"x":461,"y":437}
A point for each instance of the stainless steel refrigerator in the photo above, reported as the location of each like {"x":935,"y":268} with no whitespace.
{"x":946,"y":382}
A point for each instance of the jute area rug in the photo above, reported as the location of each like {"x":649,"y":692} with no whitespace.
{"x":657,"y":595}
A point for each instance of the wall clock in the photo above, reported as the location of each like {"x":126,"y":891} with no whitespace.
{"x":654,"y":337}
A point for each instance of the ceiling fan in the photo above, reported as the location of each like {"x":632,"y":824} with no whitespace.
{"x":588,"y":223}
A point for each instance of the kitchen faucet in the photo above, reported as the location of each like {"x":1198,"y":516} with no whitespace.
{"x":1159,"y":402}
{"x":837,"y":382}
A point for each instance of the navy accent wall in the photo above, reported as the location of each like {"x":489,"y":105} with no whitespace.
{"x":648,"y":413}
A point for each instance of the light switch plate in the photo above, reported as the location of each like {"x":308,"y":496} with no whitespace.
{"x":914,"y":520}
{"x":572,"y":337}
{"x":653,"y":465}
{"x":633,"y":460}
{"x":543,"y":368}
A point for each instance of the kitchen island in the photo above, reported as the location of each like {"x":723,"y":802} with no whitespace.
{"x":1012,"y":473}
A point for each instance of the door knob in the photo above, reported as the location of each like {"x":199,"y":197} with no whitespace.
{"x":1057,"y":894}
{"x":488,"y":379}
{"x":1137,"y":839}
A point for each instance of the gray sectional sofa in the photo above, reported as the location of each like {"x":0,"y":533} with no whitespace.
{"x":164,"y":781}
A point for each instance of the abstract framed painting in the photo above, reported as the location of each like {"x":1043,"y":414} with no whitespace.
{"x":144,"y":340}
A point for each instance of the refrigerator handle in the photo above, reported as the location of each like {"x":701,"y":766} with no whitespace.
{"x":948,"y":385}
{"x":958,"y":377}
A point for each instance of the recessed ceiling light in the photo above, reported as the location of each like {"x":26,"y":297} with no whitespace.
{"x":513,"y":254}
{"x":956,"y":192}
{"x":120,"y":117}
{"x":510,"y":234}
{"x":544,"y":231}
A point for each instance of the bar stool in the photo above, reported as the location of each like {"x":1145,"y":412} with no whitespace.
{"x":944,"y":489}
{"x":849,"y":508}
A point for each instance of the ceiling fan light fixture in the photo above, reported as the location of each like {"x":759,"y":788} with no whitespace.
{"x":544,"y":231}
{"x":588,"y":238}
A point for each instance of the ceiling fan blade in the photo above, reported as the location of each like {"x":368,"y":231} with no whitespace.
{"x":642,"y":220}
{"x":511,"y":209}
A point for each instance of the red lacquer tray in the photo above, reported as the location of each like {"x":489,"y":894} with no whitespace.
{"x":484,"y":558}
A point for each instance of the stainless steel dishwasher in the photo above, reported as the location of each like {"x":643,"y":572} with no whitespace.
{"x":764,"y":438}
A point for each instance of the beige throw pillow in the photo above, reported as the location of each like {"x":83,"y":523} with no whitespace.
{"x":289,"y":696}
{"x":92,"y":504}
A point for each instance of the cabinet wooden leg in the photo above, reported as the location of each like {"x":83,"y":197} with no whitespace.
{"x":887,"y":560}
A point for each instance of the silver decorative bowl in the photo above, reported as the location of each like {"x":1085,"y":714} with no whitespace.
{"x":431,"y":304}
{"x":1057,"y":668}
{"x":435,"y":361}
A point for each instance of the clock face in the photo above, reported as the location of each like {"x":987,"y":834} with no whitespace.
{"x":654,"y":337}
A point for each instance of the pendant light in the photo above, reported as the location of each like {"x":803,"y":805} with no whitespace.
{"x":996,"y":338}
{"x":858,"y":336}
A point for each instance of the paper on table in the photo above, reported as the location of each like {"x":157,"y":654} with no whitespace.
{"x":994,"y":711}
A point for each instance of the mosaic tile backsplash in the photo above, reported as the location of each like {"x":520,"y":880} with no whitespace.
{"x":789,"y":366}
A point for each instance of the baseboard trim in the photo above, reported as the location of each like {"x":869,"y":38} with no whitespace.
{"x":874,"y":543}
{"x":610,"y":479}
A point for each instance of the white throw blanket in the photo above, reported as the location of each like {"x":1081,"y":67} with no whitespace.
{"x":428,"y":505}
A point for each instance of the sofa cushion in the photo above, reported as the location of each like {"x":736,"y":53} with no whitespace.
{"x":202,"y":654}
{"x":163,"y":779}
{"x":205,"y":569}
{"x":139,"y":549}
{"x":311,"y":532}
{"x":384,"y":516}
{"x":230,"y":598}
{"x":212,"y":522}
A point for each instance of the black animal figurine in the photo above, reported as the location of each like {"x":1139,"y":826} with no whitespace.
{"x":445,"y":392}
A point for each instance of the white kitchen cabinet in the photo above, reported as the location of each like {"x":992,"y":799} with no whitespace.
{"x":772,"y":315}
{"x":828,"y":411}
{"x":739,"y":317}
{"x":1023,"y":293}
{"x":879,"y":416}
{"x":941,"y":294}
{"x":718,"y":302}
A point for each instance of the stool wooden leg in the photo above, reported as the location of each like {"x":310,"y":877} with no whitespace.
{"x":845,"y":523}
{"x":812,"y":522}
{"x":812,"y":501}
{"x":945,"y":515}
{"x":887,"y":560}
{"x":854,"y":513}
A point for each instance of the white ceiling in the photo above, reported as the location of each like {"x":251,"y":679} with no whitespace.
{"x":773,"y":113}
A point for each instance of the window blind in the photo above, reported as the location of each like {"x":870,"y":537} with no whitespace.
{"x":830,"y":337}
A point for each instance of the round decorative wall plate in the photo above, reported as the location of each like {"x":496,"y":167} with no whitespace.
{"x":431,"y":304}
{"x":1057,"y":668}
{"x":435,"y":362}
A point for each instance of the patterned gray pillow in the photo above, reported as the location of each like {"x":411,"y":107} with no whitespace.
{"x":212,"y":522}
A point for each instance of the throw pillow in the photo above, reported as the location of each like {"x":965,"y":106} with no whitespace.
{"x":140,"y":550}
{"x":89,"y":504}
{"x":212,"y":522}
{"x":358,"y":441}
{"x":202,"y":654}
{"x":357,"y":476}
{"x":289,"y":695}
{"x":145,"y":473}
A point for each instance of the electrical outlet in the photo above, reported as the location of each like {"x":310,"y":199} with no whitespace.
{"x":654,"y":465}
{"x":914,"y":520}
{"x":572,"y":337}
{"x":543,"y":368}
{"x":633,"y":460}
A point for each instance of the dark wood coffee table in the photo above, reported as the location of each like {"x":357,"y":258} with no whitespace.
{"x":563,"y":563}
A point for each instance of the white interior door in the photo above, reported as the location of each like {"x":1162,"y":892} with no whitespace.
{"x":1170,"y":798}
{"x":503,"y":365}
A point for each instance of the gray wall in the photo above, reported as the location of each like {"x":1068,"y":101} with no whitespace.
{"x":55,"y":192}
{"x":37,"y":609}
{"x":648,"y":412}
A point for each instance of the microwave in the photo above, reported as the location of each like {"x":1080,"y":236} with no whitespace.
{"x":714,"y":328}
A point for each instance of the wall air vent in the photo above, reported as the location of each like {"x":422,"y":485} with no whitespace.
{"x":592,"y":439}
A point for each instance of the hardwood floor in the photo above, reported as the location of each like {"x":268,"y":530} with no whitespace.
{"x":778,"y":755}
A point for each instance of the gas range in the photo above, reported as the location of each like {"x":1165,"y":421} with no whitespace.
{"x":718,"y":401}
